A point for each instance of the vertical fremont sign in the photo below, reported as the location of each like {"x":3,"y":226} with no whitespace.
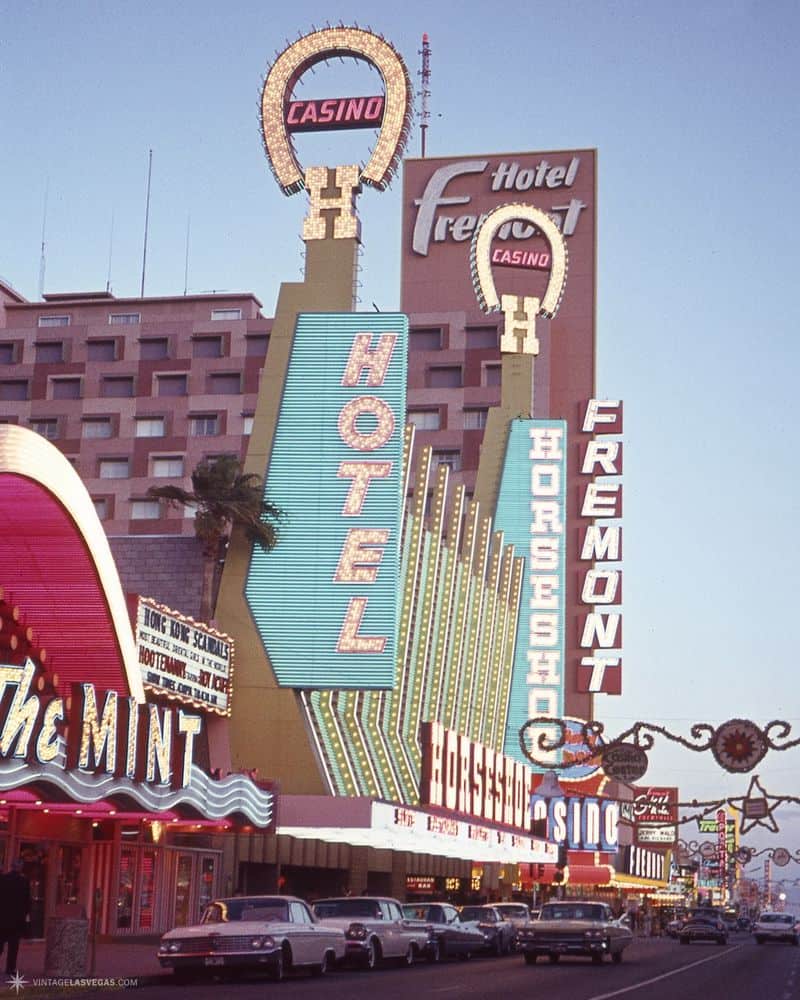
{"x":326,"y":600}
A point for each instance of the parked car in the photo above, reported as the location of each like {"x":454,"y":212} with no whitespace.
{"x":375,"y":929}
{"x":703,"y":925}
{"x":574,"y":927}
{"x":271,"y":933}
{"x":517,"y":914}
{"x":776,"y":927}
{"x":672,"y":929}
{"x":448,"y":935}
{"x":499,"y":935}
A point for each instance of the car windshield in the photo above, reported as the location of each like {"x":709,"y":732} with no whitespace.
{"x":776,"y":918}
{"x":348,"y":908}
{"x":263,"y":909}
{"x":419,"y":911}
{"x":477,"y":913}
{"x":572,"y":911}
{"x":514,"y":911}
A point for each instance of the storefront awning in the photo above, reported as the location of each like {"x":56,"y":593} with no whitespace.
{"x":387,"y":826}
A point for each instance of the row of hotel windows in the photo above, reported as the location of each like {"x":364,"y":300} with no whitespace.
{"x":177,"y":384}
{"x":200,"y":425}
{"x":128,"y":318}
{"x":51,"y":352}
{"x":121,"y":386}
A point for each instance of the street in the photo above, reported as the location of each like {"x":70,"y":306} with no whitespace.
{"x":655,"y":969}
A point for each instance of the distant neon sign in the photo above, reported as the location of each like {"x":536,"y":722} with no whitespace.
{"x":334,"y":113}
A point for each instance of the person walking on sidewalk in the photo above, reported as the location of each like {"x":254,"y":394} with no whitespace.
{"x":15,"y":905}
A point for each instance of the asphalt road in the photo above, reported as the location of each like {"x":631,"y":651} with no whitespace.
{"x":657,"y":969}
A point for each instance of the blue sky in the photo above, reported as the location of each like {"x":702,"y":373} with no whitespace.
{"x":693,"y":109}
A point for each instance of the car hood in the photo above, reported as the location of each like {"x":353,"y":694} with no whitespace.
{"x":566,"y":925}
{"x":230,"y":929}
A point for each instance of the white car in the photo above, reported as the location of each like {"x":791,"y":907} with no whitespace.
{"x":776,"y":927}
{"x":375,"y":928}
{"x":272,"y":933}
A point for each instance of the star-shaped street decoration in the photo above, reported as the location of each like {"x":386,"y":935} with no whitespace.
{"x":756,"y":809}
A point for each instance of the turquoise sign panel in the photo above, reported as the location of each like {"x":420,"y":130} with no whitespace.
{"x":531,"y":513}
{"x":326,"y":599}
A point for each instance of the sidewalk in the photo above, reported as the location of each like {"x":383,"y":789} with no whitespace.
{"x":118,"y":960}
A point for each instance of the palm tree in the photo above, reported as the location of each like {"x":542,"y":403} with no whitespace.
{"x":224,"y":497}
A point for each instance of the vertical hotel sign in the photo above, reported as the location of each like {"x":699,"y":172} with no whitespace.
{"x":531,"y":512}
{"x":325,"y":600}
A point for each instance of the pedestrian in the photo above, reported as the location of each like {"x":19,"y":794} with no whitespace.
{"x":15,"y":906}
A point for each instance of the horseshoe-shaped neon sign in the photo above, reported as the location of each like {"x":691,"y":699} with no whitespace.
{"x":481,"y":265}
{"x":301,"y":56}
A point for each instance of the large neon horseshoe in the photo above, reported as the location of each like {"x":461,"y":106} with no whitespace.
{"x":481,"y":248}
{"x":301,"y":56}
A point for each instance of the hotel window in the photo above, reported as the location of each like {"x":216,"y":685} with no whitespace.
{"x":145,"y":510}
{"x":206,"y":347}
{"x":153,"y":348}
{"x":204,"y":424}
{"x":475,"y":419}
{"x":256,"y":345}
{"x":47,"y":428}
{"x":49,"y":352}
{"x":449,"y":458}
{"x":65,"y":388}
{"x":223,"y":314}
{"x":167,"y":466}
{"x":148,"y":427}
{"x":8,"y":354}
{"x":54,"y":321}
{"x":224,"y":383}
{"x":116,"y":386}
{"x":171,"y":385}
{"x":12,"y":389}
{"x":101,"y":350}
{"x":425,"y":338}
{"x":425,"y":420}
{"x":491,"y":374}
{"x":96,"y":427}
{"x":101,"y":507}
{"x":124,"y":319}
{"x":113,"y":468}
{"x":482,"y":336}
{"x":247,"y":423}
{"x":445,"y":377}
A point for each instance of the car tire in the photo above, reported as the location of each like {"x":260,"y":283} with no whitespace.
{"x":554,"y":958}
{"x":684,"y":940}
{"x":759,"y":940}
{"x":795,"y":941}
{"x":616,"y":957}
{"x":325,"y":966}
{"x":497,"y":947}
{"x":722,"y":941}
{"x":436,"y":951}
{"x":373,"y":955}
{"x":597,"y":959}
{"x":530,"y":958}
{"x":408,"y":958}
{"x":279,"y":968}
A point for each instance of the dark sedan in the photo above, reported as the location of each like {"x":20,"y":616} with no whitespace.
{"x":703,"y":927}
{"x":499,"y":934}
{"x":450,"y":936}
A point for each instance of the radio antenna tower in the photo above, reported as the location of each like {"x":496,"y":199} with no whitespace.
{"x":425,"y":78}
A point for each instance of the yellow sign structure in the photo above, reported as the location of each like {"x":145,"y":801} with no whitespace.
{"x":520,"y":311}
{"x":333,"y":191}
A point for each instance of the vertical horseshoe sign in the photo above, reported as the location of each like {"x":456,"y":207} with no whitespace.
{"x":520,"y":311}
{"x":282,"y":115}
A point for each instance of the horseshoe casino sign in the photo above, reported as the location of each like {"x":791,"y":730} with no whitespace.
{"x":283,"y":115}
